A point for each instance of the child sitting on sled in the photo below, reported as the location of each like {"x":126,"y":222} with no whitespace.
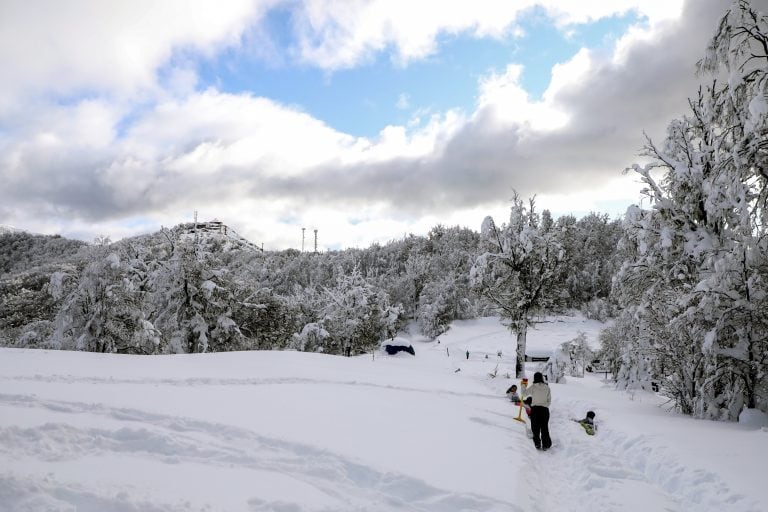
{"x":512,"y":394}
{"x":588,"y":423}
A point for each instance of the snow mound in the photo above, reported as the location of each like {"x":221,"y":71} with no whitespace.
{"x":397,"y":341}
{"x":753,"y":418}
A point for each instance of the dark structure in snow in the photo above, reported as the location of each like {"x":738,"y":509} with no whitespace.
{"x":394,"y":349}
{"x":537,"y":356}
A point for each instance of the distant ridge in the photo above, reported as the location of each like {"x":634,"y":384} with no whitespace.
{"x":9,"y":229}
{"x":210,"y":230}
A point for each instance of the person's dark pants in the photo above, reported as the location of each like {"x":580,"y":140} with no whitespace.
{"x":540,"y":426}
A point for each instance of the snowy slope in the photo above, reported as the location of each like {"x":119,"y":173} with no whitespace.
{"x":284,"y":431}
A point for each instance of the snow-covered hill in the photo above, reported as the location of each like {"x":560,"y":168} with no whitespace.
{"x":287,"y":431}
{"x":214,"y":231}
{"x":8,"y":229}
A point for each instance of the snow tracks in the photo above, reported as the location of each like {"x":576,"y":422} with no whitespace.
{"x":258,"y":471}
{"x":617,"y":471}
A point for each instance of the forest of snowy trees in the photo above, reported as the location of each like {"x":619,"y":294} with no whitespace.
{"x":683,"y":280}
{"x":171,"y":292}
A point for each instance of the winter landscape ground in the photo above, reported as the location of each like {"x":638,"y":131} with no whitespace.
{"x":288,"y":431}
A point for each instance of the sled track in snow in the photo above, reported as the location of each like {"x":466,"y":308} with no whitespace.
{"x":180,"y":440}
{"x":599,"y":468}
{"x":251,"y":381}
{"x":699,"y":489}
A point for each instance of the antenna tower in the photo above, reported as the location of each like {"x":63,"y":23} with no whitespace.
{"x":315,"y":241}
{"x":302,"y":239}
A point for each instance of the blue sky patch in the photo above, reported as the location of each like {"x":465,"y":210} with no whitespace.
{"x":363,"y":100}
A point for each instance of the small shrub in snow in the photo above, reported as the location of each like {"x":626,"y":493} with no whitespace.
{"x":597,"y":309}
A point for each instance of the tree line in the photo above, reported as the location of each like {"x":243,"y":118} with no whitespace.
{"x":173,"y":292}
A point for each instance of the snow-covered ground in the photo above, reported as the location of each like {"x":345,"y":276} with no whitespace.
{"x":286,"y":431}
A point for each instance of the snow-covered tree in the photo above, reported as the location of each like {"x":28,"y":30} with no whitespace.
{"x":27,"y":309}
{"x":104,"y":312}
{"x":310,"y":339}
{"x":590,"y":245}
{"x":612,"y":340}
{"x":357,"y":316}
{"x":193,"y":301}
{"x":439,"y":305}
{"x":519,"y":271}
{"x":570,"y":358}
{"x":445,"y":295}
{"x":696,"y":273}
{"x":265,"y":319}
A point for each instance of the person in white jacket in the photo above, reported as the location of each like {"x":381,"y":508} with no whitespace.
{"x":540,"y":397}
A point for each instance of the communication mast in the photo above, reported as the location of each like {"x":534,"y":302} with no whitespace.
{"x":315,"y":241}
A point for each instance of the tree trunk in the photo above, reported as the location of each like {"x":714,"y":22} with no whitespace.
{"x":751,"y":385}
{"x":522,"y":332}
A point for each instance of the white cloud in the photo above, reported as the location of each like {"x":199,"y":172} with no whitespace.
{"x":268,"y":169}
{"x":418,"y":141}
{"x":507,"y":103}
{"x":567,"y":75}
{"x":117,"y":47}
{"x":114,"y":47}
{"x":567,"y":12}
{"x":337,"y":34}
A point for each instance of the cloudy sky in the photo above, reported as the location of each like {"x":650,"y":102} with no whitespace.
{"x":366,"y":120}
